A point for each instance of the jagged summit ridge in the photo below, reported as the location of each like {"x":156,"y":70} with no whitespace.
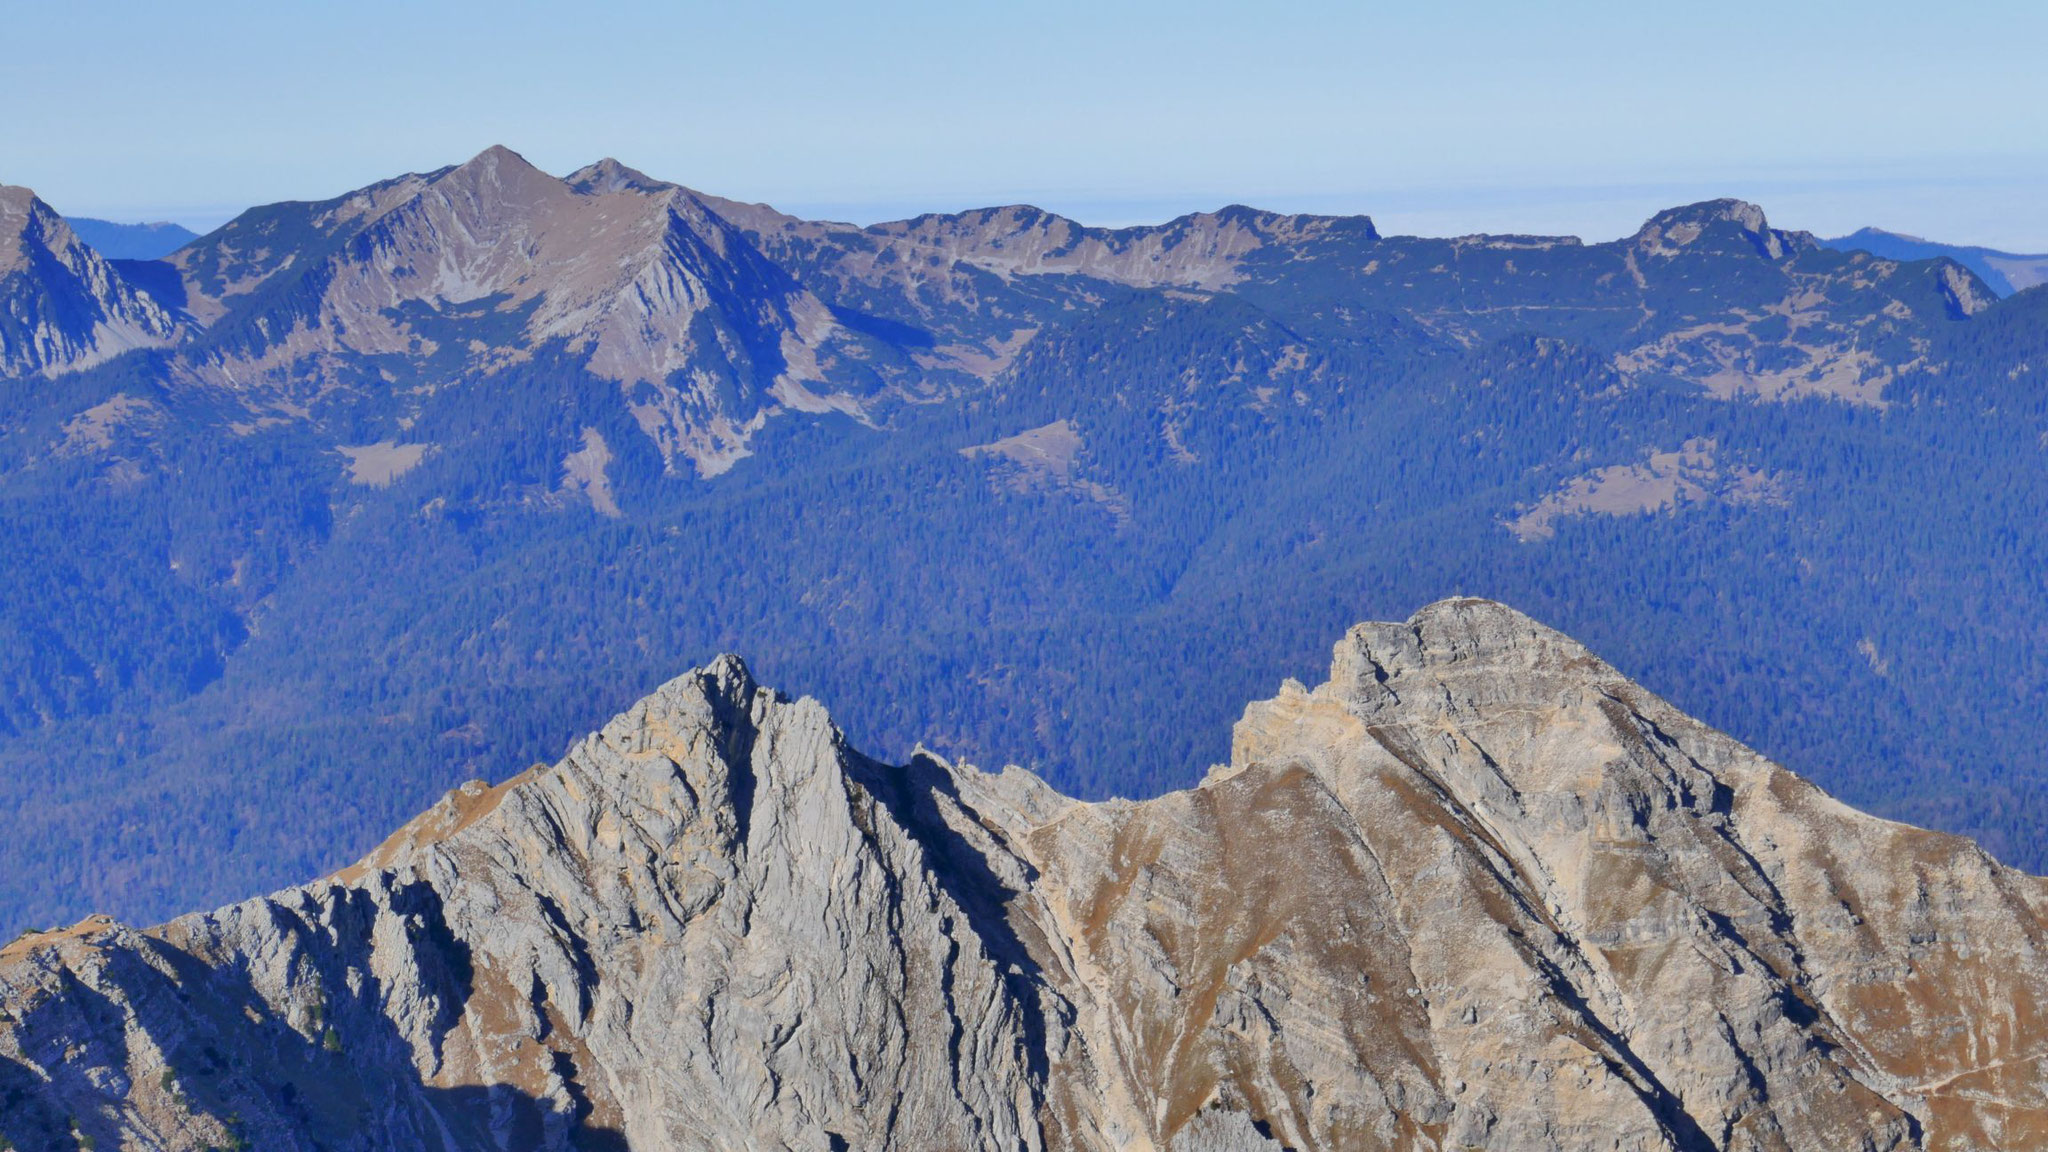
{"x":1478,"y":890}
{"x":634,"y":279}
{"x":697,"y":874}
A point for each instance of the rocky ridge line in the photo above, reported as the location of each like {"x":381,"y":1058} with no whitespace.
{"x":1478,"y":890}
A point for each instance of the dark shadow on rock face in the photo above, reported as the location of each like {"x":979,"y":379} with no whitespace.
{"x":447,"y":972}
{"x":342,"y":1080}
{"x":734,"y":721}
{"x":159,"y":278}
{"x":912,"y":794}
{"x":27,"y":1117}
{"x":1661,"y":1101}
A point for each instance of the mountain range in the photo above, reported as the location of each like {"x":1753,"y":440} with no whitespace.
{"x":131,"y":241}
{"x":2003,"y":272}
{"x":1477,"y":890}
{"x":349,"y":501}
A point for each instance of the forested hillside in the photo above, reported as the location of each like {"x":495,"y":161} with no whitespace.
{"x":396,"y":513}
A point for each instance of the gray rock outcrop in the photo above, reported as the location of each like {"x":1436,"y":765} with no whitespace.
{"x":1476,"y":891}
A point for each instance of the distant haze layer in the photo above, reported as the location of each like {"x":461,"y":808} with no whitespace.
{"x":1437,"y":119}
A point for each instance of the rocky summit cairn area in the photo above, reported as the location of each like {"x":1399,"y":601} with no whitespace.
{"x":1477,"y":891}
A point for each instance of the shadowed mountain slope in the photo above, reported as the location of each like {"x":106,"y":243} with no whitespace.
{"x":131,"y":241}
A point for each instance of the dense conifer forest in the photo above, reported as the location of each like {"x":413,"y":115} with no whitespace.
{"x":225,"y":666}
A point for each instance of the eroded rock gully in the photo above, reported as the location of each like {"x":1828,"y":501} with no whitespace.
{"x":1477,"y":891}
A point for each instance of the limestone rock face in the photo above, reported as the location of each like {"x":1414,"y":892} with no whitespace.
{"x":1476,"y":891}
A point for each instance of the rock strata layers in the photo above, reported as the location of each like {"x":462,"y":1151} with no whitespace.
{"x":1478,"y":890}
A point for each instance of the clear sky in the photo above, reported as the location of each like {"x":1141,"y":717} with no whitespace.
{"x":1443,"y":117}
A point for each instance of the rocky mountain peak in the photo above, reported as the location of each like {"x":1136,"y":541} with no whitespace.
{"x":62,"y":305}
{"x":1477,"y":890}
{"x":499,"y":179}
{"x":498,"y":158}
{"x":29,"y":230}
{"x":1965,"y":293}
{"x":608,"y":175}
{"x":18,"y":213}
{"x":1721,"y":226}
{"x":639,"y":281}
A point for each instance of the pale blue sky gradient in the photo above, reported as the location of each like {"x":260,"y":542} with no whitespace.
{"x":1577,"y":116}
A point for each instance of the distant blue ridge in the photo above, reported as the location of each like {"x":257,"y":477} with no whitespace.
{"x":2003,"y":272}
{"x":132,"y":241}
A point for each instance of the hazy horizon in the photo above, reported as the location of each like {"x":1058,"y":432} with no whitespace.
{"x":1593,"y":213}
{"x":1579,"y":119}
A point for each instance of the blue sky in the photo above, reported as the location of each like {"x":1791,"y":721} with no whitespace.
{"x":1576,"y":116}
